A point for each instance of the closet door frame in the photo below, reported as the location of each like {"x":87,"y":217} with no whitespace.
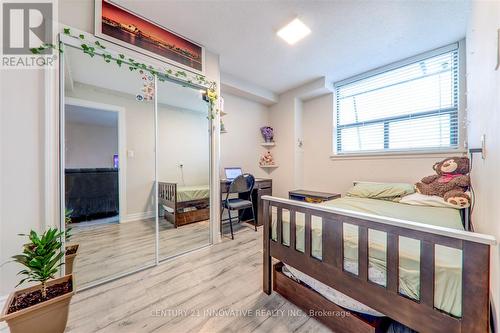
{"x":55,"y":146}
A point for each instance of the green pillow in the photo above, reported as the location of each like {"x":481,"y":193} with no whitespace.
{"x":381,"y":190}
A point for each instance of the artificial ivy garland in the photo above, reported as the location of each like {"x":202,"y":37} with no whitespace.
{"x":134,"y":65}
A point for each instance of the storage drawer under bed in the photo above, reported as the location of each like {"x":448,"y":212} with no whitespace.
{"x":333,"y":316}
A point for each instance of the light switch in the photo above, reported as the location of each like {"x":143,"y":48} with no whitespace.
{"x":130,"y":153}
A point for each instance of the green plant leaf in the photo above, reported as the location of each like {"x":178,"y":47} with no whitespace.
{"x":66,"y":31}
{"x":40,"y":256}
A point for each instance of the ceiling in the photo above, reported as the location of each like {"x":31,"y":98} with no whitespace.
{"x":80,"y":68}
{"x":89,"y":116}
{"x":348,"y":37}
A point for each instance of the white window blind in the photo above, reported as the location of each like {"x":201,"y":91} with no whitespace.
{"x":411,"y":106}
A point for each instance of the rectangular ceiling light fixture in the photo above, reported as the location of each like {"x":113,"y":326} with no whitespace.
{"x":294,"y":31}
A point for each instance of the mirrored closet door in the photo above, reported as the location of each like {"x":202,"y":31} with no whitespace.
{"x":135,"y":161}
{"x":183,"y":169}
{"x":109,"y":168}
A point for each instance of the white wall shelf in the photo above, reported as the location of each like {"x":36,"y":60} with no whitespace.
{"x":268,"y":144}
{"x":269,"y":166}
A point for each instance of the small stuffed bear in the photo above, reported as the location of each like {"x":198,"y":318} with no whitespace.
{"x":450,"y":182}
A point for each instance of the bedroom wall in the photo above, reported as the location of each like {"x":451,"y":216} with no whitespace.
{"x":323,"y":173}
{"x":183,"y":139}
{"x":90,"y":145}
{"x":286,"y":118}
{"x":483,"y":102}
{"x":28,"y":170}
{"x":21,"y":167}
{"x":240,"y":146}
{"x":139,"y":137}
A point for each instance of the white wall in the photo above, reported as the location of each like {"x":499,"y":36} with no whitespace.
{"x":483,"y":102}
{"x":286,"y":118}
{"x":323,"y":173}
{"x":183,"y":139}
{"x":90,"y":145}
{"x":240,"y":146}
{"x":21,"y":166}
{"x":139,"y":140}
{"x":28,"y":189}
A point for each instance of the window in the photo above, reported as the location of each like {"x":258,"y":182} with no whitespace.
{"x":411,"y":105}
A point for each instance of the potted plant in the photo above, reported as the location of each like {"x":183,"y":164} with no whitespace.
{"x":71,"y":249}
{"x":42,"y":308}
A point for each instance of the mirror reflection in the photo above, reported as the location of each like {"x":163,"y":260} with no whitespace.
{"x":136,"y":169}
{"x":109,"y":166}
{"x":183,"y":169}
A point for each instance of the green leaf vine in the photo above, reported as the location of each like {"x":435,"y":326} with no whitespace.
{"x":133,"y":65}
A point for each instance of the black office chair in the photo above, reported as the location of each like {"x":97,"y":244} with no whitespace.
{"x":243,"y":186}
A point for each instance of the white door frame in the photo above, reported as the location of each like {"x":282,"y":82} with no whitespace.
{"x":122,"y":145}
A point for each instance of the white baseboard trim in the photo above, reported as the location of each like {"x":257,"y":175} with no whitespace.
{"x":137,"y":216}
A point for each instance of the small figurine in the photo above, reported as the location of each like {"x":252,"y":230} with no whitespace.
{"x":266,"y":159}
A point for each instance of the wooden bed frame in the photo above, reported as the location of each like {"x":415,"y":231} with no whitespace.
{"x":167,"y":195}
{"x":420,"y":315}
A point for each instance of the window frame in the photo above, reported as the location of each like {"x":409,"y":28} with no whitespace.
{"x":461,"y":128}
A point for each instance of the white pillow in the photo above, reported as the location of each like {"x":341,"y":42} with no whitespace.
{"x":419,"y":199}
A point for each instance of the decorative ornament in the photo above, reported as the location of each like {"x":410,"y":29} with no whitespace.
{"x":267,"y":133}
{"x":266,"y":159}
{"x":96,"y":48}
{"x":148,"y":87}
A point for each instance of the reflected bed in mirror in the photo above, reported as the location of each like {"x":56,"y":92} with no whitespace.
{"x":183,"y":167}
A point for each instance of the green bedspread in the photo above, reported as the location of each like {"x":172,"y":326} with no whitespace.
{"x":188,"y":193}
{"x":448,"y":286}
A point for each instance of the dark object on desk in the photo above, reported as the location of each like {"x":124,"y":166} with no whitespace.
{"x":263,"y":186}
{"x":312,"y":196}
{"x":91,"y":193}
{"x":243,"y":186}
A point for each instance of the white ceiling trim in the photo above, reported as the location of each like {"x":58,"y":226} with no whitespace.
{"x":242,"y":88}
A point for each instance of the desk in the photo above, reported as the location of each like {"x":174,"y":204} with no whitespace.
{"x":263,"y":186}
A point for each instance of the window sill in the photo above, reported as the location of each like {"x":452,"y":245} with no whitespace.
{"x":397,"y":154}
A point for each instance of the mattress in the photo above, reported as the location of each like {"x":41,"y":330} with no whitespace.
{"x":188,"y":193}
{"x":448,"y":286}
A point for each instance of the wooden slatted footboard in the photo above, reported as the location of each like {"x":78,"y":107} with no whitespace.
{"x":418,"y":314}
{"x":167,"y":195}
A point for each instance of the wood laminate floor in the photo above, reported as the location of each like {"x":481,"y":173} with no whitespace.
{"x":216,"y":289}
{"x":106,"y":250}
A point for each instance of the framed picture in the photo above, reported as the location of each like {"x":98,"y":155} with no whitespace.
{"x":120,"y":26}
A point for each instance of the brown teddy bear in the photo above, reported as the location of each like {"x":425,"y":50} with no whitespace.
{"x":450,"y":182}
